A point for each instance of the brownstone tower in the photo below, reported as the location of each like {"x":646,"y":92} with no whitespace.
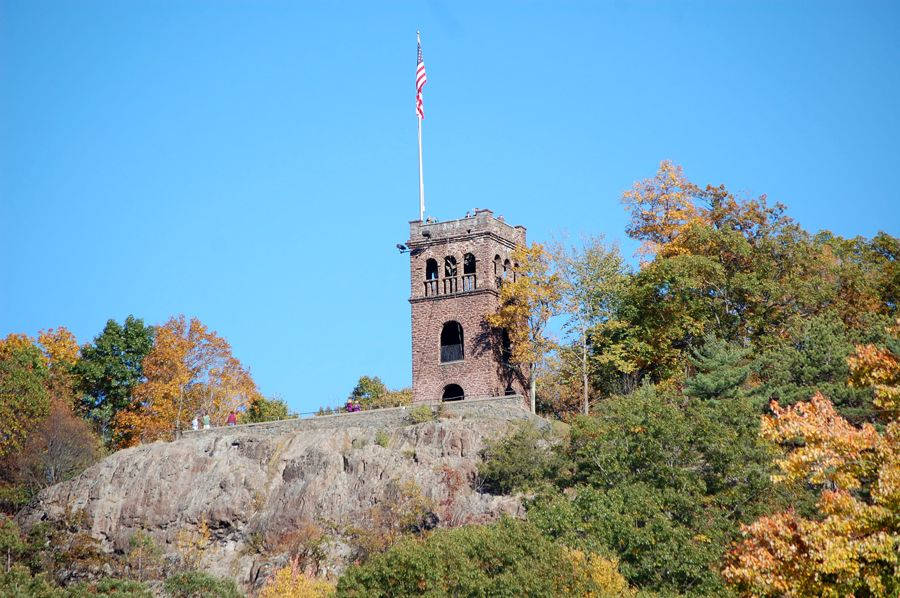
{"x":456,"y":270}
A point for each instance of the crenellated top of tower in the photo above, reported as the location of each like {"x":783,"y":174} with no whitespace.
{"x":482,"y":222}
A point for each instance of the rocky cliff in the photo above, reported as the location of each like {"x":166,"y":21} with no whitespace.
{"x":233,"y":492}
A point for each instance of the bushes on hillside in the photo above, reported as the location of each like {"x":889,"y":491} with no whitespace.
{"x":509,"y":558}
{"x":521,"y":461}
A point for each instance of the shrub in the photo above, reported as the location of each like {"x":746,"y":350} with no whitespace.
{"x":523,"y":460}
{"x":403,"y":511}
{"x":382,"y":438}
{"x":144,"y":555}
{"x":420,"y":414}
{"x":196,"y":584}
{"x":19,"y":583}
{"x":509,"y":558}
{"x":11,"y":544}
{"x":111,"y":588}
{"x":287,"y":582}
{"x":306,"y":545}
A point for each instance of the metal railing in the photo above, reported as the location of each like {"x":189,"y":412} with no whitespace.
{"x":451,"y":285}
{"x":451,"y":353}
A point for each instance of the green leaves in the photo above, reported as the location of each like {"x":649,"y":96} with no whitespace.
{"x":23,"y":394}
{"x":112,"y":366}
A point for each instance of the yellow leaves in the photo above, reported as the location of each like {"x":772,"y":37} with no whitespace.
{"x":854,"y":548}
{"x":661,"y":207}
{"x":189,"y":370}
{"x":880,"y":369}
{"x":60,"y":346}
{"x":833,"y":450}
{"x":13,"y":343}
{"x":288,"y":582}
{"x":527,"y":302}
{"x":598,"y":577}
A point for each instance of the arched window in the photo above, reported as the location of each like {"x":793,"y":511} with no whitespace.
{"x":468,"y":279}
{"x":451,"y":342}
{"x":453,"y":392}
{"x":431,"y":270}
{"x":497,"y":271}
{"x":506,"y":268}
{"x":449,"y":266}
{"x":468,"y":264}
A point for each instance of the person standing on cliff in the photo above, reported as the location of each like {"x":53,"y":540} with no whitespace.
{"x":195,"y":423}
{"x":206,"y":421}
{"x":232,"y":418}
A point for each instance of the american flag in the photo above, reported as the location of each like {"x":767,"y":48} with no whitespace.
{"x":421,"y":79}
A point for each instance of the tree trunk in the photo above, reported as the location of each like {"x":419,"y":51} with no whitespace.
{"x":584,"y":370}
{"x":532,"y":393}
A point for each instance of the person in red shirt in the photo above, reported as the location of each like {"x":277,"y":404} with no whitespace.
{"x":232,"y":419}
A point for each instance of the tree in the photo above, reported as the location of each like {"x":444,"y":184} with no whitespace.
{"x":111,"y":367}
{"x":263,"y":409}
{"x":190,"y":369}
{"x":661,"y":481}
{"x":368,"y":391}
{"x":813,"y":358}
{"x":527,"y":302}
{"x":371,"y":393}
{"x":24,"y":400}
{"x":61,"y":354}
{"x":721,"y":370}
{"x":591,"y":278}
{"x":854,"y":549}
{"x":58,"y":448}
{"x":661,"y":207}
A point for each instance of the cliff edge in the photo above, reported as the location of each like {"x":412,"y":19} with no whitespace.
{"x":235,"y":491}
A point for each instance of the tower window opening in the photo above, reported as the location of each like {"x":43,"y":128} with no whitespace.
{"x":468,"y":264}
{"x":453,"y":392}
{"x":449,"y":266}
{"x":431,"y":269}
{"x":469,"y":281}
{"x":452,"y":342}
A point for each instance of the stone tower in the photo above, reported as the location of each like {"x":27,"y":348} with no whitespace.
{"x":456,"y":270}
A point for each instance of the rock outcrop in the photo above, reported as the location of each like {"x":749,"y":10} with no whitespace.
{"x":240,"y":486}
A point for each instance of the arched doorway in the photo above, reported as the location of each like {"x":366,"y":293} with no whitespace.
{"x":453,"y":392}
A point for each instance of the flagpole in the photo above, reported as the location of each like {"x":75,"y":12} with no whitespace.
{"x":421,"y":177}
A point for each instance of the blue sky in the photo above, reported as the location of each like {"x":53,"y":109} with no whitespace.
{"x":254,"y":163}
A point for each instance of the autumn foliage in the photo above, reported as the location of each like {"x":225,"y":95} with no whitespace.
{"x":189,"y":370}
{"x":854,"y":549}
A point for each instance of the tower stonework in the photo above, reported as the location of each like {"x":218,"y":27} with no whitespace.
{"x":456,"y":270}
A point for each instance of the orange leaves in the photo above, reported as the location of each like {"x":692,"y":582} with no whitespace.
{"x":189,"y":371}
{"x":661,"y":207}
{"x":833,"y":451}
{"x":879,"y":368}
{"x":772,"y":559}
{"x":855,"y":546}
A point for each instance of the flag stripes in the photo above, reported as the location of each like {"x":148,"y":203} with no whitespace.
{"x":421,"y":79}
